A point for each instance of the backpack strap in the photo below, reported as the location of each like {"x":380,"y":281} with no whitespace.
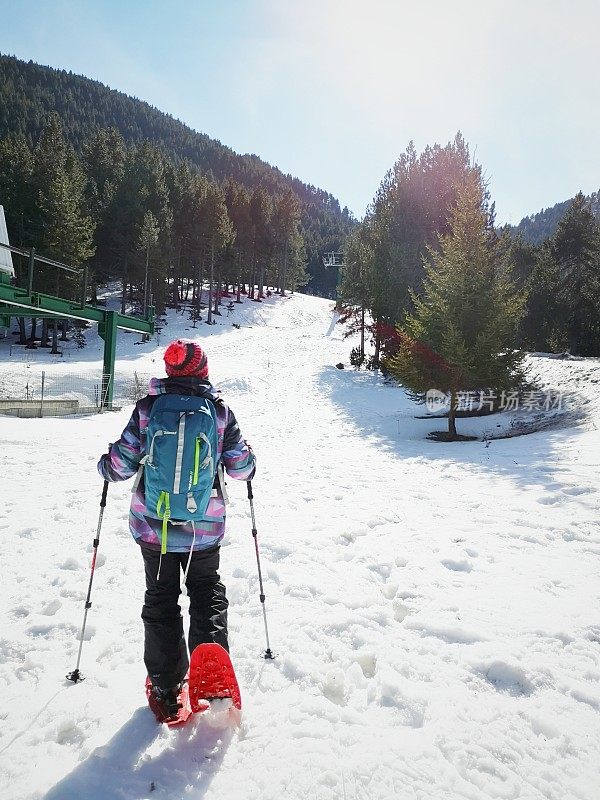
{"x":139,"y":474}
{"x":163,"y":509}
{"x":221,"y":475}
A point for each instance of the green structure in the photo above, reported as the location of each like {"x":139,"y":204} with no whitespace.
{"x":16,"y":301}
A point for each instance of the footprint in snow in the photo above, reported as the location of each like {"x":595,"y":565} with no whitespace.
{"x":506,"y":678}
{"x":70,"y":564}
{"x":575,"y":491}
{"x":49,"y":630}
{"x":19,"y":612}
{"x":549,"y":500}
{"x":68,"y":733}
{"x":457,"y":565}
{"x":445,"y":633}
{"x":400,"y":611}
{"x":382,"y":570}
{"x":50,"y":609}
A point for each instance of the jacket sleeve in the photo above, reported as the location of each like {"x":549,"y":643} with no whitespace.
{"x":123,"y":459}
{"x":238,"y":458}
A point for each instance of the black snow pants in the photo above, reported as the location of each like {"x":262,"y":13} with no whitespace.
{"x":165,"y":652}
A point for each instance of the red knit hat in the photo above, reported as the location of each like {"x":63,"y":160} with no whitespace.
{"x":185,"y":359}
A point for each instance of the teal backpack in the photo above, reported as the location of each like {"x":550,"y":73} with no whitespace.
{"x":182,"y":459}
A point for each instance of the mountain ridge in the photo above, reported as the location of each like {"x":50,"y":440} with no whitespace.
{"x":30,"y":91}
{"x":536,"y":227}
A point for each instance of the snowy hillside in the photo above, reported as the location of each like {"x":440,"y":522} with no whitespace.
{"x":434,"y":607}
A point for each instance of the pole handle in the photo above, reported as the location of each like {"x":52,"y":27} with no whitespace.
{"x":249,"y":486}
{"x":104,"y":492}
{"x":105,"y":487}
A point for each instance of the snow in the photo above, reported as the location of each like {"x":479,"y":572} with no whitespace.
{"x":433,"y":607}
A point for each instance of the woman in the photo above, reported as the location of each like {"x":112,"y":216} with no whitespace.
{"x":170,"y":541}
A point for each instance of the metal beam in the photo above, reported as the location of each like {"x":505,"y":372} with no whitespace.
{"x":59,"y":308}
{"x":18,"y":302}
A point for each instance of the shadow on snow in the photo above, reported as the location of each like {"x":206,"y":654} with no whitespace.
{"x":384,"y":412}
{"x":123,"y":768}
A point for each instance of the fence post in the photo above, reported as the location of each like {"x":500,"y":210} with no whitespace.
{"x":108,"y":332}
{"x":42,"y":398}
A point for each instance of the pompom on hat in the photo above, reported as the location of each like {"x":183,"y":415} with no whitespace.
{"x":185,"y":359}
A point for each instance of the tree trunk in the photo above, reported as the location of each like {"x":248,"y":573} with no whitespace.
{"x":22,"y":331}
{"x":362,"y":333}
{"x":452,"y":415}
{"x":44,"y":342}
{"x":33,"y":330}
{"x":176,"y":294}
{"x":124,"y":295}
{"x":377,"y":345}
{"x":252,"y":270}
{"x":575,"y":336}
{"x":210,"y":285}
{"x":65,"y":328}
{"x":285,"y":265}
{"x":54,"y":350}
{"x":217,"y":293}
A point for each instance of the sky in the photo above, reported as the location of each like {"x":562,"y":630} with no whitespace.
{"x":332,"y":91}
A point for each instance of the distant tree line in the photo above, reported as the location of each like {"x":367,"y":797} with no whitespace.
{"x":164,"y":231}
{"x":30,"y":93}
{"x":535,"y":228}
{"x":449,"y":301}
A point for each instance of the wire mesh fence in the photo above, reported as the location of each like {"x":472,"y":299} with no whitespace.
{"x":22,"y":385}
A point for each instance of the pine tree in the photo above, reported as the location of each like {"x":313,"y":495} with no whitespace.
{"x":296,"y":275}
{"x":103,"y":161}
{"x":218,"y":232}
{"x":355,"y":288}
{"x":148,"y":239}
{"x":142,"y":188}
{"x":575,"y":249}
{"x":16,"y":194}
{"x":461,"y":334}
{"x":67,"y":228}
{"x":285,"y":227}
{"x":64,"y":229}
{"x":237,"y":199}
{"x":261,"y":210}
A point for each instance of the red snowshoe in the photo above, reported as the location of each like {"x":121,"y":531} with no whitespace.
{"x":169,"y":707}
{"x":212,"y":676}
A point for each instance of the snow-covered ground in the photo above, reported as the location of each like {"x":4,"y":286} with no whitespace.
{"x":434,"y":607}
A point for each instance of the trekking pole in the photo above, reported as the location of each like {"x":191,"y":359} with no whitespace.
{"x":268,"y":653}
{"x":76,"y":676}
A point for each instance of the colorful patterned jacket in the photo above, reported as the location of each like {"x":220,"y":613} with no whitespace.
{"x":123,"y":461}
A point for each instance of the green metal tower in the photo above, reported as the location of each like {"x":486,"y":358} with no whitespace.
{"x":18,"y":301}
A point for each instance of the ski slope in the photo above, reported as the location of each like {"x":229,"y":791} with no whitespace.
{"x":434,"y":607}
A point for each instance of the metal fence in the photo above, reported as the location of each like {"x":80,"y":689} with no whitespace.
{"x":25,"y":385}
